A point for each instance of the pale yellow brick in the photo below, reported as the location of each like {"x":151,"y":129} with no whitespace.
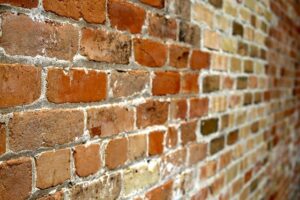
{"x":249,"y":33}
{"x":236,"y":65}
{"x":219,"y":104}
{"x":229,"y":44}
{"x":219,"y":62}
{"x":232,"y":172}
{"x":223,"y":23}
{"x":250,"y":4}
{"x":245,"y":14}
{"x":211,"y":39}
{"x":202,"y":14}
{"x":230,"y":8}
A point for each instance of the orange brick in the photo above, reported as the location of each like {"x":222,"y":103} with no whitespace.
{"x":156,"y":140}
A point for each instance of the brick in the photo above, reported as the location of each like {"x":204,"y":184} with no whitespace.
{"x":108,"y":121}
{"x":209,"y":169}
{"x":229,"y":44}
{"x":198,"y":107}
{"x":21,"y":3}
{"x":107,"y":187}
{"x":20,"y":84}
{"x":150,"y":53}
{"x":92,"y":11}
{"x":178,"y":109}
{"x":236,"y":65}
{"x":44,"y":128}
{"x":218,"y":104}
{"x":202,"y":14}
{"x":180,"y":8}
{"x":162,"y":192}
{"x":189,"y":33}
{"x":233,"y":137}
{"x":176,"y":159}
{"x":16,"y":178}
{"x":211,"y":83}
{"x":209,"y":126}
{"x":211,"y":39}
{"x":225,"y":159}
{"x":216,"y":3}
{"x":116,"y":153}
{"x":248,"y":66}
{"x":53,"y":168}
{"x":166,"y":83}
{"x":228,"y":82}
{"x":248,"y":98}
{"x":172,"y":137}
{"x":162,"y":27}
{"x":87,"y":159}
{"x":76,"y":86}
{"x":154,"y":3}
{"x":197,"y":152}
{"x":103,"y":46}
{"x":216,"y":145}
{"x":56,"y":196}
{"x":199,"y":60}
{"x":155,"y":144}
{"x":129,"y":83}
{"x":137,"y":147}
{"x":42,"y":38}
{"x":242,"y":83}
{"x":201,"y":194}
{"x":188,"y":132}
{"x":126,"y":16}
{"x":152,"y":113}
{"x":179,"y":56}
{"x":190,"y":83}
{"x":220,"y":62}
{"x":140,"y":176}
{"x":237,"y":29}
{"x":2,"y":139}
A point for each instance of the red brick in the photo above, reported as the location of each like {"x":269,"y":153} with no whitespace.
{"x":150,"y":53}
{"x":155,"y":145}
{"x":53,"y":168}
{"x":162,"y":27}
{"x":20,"y":84}
{"x":163,"y":192}
{"x":45,"y":128}
{"x":2,"y":139}
{"x":198,"y":107}
{"x":188,"y":132}
{"x":92,"y":11}
{"x":56,"y":196}
{"x":228,"y":82}
{"x":16,"y":179}
{"x":166,"y":83}
{"x":87,"y":159}
{"x":179,"y":56}
{"x":76,"y":86}
{"x":154,"y":3}
{"x":179,"y":109}
{"x":129,"y":83}
{"x":200,"y":60}
{"x":116,"y":153}
{"x":42,"y":38}
{"x":103,"y":46}
{"x":198,"y":152}
{"x":152,"y":113}
{"x":172,"y":137}
{"x":21,"y":3}
{"x":190,"y":83}
{"x":126,"y":16}
{"x":137,"y":147}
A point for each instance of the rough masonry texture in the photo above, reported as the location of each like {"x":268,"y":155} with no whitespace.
{"x":149,"y":99}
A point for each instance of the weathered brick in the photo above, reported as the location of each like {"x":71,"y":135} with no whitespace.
{"x":154,"y":3}
{"x":162,"y":27}
{"x":150,"y":53}
{"x":53,"y":168}
{"x":172,"y":137}
{"x":176,"y":159}
{"x":21,"y":3}
{"x":233,"y":137}
{"x":178,"y":109}
{"x":198,"y":152}
{"x":209,"y":126}
{"x":188,"y":132}
{"x":2,"y":139}
{"x":87,"y":159}
{"x":198,"y":107}
{"x":16,"y":179}
{"x":44,"y":128}
{"x":92,"y":11}
{"x":103,"y":46}
{"x":166,"y":83}
{"x":116,"y":153}
{"x":242,"y":83}
{"x":179,"y":56}
{"x":107,"y":187}
{"x":217,"y":145}
{"x":152,"y":113}
{"x":237,"y":29}
{"x":181,"y":8}
{"x":109,"y":121}
{"x":137,"y":145}
{"x":189,"y":33}
{"x":211,"y":83}
{"x":76,"y":86}
{"x":156,"y":143}
{"x":126,"y":16}
{"x":20,"y":84}
{"x":161,"y":192}
{"x":190,"y":83}
{"x":200,"y":60}
{"x":42,"y":38}
{"x":248,"y":98}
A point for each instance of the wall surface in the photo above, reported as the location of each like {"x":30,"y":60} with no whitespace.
{"x":149,"y":99}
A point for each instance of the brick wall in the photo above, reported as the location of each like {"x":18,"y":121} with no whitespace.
{"x":149,"y":99}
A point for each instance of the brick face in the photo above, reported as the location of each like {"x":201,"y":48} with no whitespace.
{"x":116,"y":153}
{"x":166,"y":83}
{"x":162,"y":27}
{"x":21,"y":3}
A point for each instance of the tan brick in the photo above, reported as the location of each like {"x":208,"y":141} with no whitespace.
{"x":137,"y":146}
{"x":212,"y":39}
{"x":188,"y":132}
{"x":202,"y":14}
{"x":116,"y":153}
